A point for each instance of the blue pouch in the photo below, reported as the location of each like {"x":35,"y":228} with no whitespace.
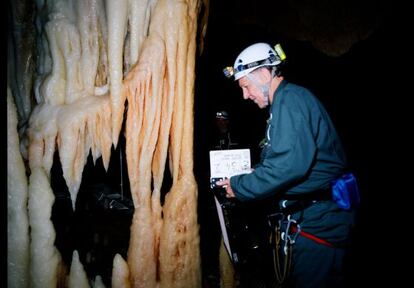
{"x":345,"y":191}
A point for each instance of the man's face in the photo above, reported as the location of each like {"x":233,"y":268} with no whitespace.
{"x":252,"y":91}
{"x":222,"y":125}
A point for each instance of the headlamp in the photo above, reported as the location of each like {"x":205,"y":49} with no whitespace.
{"x":222,"y":115}
{"x":228,"y":71}
{"x":280,"y":52}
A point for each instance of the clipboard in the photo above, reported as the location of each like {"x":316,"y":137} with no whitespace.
{"x":225,"y":164}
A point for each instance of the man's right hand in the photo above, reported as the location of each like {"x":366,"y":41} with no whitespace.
{"x":225,"y":183}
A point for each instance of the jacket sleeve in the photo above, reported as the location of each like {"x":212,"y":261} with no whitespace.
{"x":286,"y":160}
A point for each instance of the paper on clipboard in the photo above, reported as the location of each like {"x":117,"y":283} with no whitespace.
{"x":224,"y":164}
{"x":227,"y":163}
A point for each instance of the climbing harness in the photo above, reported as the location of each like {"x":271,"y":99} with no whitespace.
{"x":284,"y":233}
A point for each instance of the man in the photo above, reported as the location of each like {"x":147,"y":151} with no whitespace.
{"x":224,"y":140}
{"x":301,"y":164}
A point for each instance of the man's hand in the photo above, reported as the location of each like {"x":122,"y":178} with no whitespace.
{"x":225,"y":183}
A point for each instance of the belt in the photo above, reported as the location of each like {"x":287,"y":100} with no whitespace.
{"x":299,"y":202}
{"x":318,"y":195}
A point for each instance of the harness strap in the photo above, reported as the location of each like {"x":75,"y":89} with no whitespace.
{"x":281,"y":264}
{"x":312,"y":237}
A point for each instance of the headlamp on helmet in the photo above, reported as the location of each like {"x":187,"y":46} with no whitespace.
{"x":228,"y":71}
{"x":222,"y":115}
{"x":280,"y":52}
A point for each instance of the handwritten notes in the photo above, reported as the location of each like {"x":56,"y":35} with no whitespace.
{"x":227,"y":163}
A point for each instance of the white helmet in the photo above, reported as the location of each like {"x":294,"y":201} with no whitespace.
{"x":253,"y":57}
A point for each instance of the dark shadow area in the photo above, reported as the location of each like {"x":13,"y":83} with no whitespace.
{"x":100,"y":226}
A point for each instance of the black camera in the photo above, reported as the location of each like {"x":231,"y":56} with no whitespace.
{"x":213,"y":182}
{"x":220,"y":193}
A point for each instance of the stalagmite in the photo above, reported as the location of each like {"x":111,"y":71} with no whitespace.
{"x":44,"y":257}
{"x":17,"y":194}
{"x":98,"y":283}
{"x":78,"y":277}
{"x":120,"y":273}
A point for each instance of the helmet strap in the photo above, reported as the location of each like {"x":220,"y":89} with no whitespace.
{"x":263,"y":87}
{"x":265,"y":91}
{"x":266,"y":87}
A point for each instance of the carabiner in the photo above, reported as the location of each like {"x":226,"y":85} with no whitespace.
{"x":292,"y":237}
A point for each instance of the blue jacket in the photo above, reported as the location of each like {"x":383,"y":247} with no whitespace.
{"x":302,"y":153}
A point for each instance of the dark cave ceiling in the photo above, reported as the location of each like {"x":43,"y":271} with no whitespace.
{"x":332,"y":26}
